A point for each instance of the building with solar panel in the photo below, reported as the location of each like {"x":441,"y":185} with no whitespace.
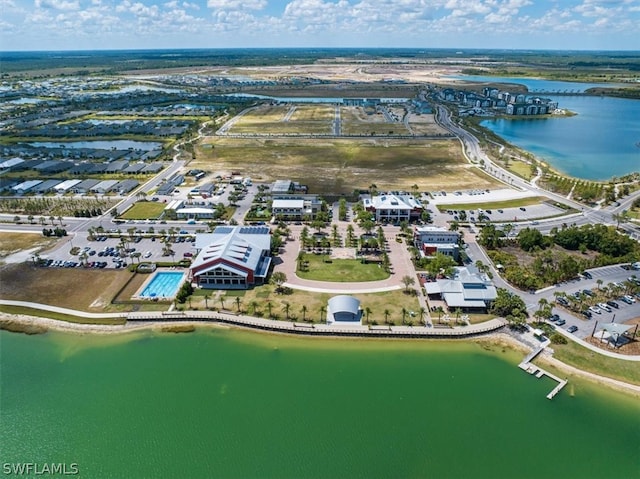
{"x":232,"y":257}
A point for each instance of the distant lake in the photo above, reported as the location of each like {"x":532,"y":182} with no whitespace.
{"x":234,"y":404}
{"x":601,"y":141}
{"x":101,"y":145}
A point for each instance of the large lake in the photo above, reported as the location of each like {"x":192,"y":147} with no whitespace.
{"x":601,"y":141}
{"x":234,"y":404}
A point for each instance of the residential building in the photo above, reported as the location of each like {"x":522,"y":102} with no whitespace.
{"x":25,"y":186}
{"x":104,"y":186}
{"x":65,"y":186}
{"x":232,"y":257}
{"x":295,"y":207}
{"x":430,"y":240}
{"x":126,"y":186}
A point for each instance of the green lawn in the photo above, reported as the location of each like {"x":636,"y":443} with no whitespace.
{"x":515,"y":203}
{"x":343,"y":270}
{"x":587,"y":360}
{"x":144,"y":210}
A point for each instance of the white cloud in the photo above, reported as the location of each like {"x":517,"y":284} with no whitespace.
{"x":58,"y":4}
{"x":237,"y":4}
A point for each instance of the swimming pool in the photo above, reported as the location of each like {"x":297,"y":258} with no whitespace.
{"x":164,"y":284}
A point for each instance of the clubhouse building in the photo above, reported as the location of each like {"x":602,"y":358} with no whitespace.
{"x":393,"y":207}
{"x":467,"y":290}
{"x":232,"y":257}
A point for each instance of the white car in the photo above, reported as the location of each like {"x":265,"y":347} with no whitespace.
{"x":604,"y":307}
{"x":595,"y":309}
{"x":630,"y":298}
{"x":147,"y":254}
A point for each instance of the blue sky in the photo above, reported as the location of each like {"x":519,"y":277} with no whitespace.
{"x":133,"y":24}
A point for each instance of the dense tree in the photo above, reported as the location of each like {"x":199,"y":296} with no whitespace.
{"x":530,"y":238}
{"x":508,"y":304}
{"x":490,"y":237}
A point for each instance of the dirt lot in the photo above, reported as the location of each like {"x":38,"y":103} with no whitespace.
{"x":75,"y":288}
{"x":340,"y":166}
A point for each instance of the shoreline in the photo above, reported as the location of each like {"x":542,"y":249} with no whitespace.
{"x":39,"y":325}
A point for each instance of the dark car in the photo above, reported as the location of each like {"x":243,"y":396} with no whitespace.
{"x":588,"y":292}
{"x":587,"y":314}
{"x":522,"y":208}
{"x":587,"y":275}
{"x":613,"y":304}
{"x":554,"y":317}
{"x":572,"y":329}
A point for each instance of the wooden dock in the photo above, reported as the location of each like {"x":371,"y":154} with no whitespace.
{"x":530,"y":368}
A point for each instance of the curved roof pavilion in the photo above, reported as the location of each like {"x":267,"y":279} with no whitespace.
{"x":344,"y":309}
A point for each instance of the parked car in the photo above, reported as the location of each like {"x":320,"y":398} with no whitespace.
{"x":561,"y":322}
{"x":624,"y":299}
{"x":188,"y":254}
{"x":588,"y":292}
{"x":595,"y":309}
{"x":587,"y":275}
{"x":630,"y":298}
{"x":613,"y":304}
{"x":572,"y":329}
{"x":587,"y":314}
{"x":604,"y":307}
{"x":554,"y":317}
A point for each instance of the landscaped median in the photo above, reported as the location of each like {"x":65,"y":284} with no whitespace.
{"x":324,"y":268}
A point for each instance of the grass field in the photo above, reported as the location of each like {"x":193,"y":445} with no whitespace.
{"x":62,"y":287}
{"x":143,"y":210}
{"x":339,"y":166}
{"x":393,"y":301}
{"x":285,"y":119}
{"x":13,"y":242}
{"x":494,"y":205}
{"x":344,"y":270}
{"x":355,"y":121}
{"x":587,"y":360}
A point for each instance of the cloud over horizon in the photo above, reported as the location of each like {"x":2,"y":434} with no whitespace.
{"x":133,"y":24}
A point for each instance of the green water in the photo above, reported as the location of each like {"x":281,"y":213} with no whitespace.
{"x":224,"y":403}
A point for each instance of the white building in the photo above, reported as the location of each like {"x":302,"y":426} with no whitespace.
{"x":432,"y":239}
{"x":393,"y":208}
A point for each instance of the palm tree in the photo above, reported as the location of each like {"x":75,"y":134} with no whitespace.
{"x":599,"y":283}
{"x":423,"y":312}
{"x":206,"y":301}
{"x":458,"y":313}
{"x":323,"y":310}
{"x":60,"y":220}
{"x":439,"y":310}
{"x":286,"y":308}
{"x":238,"y":303}
{"x":269,"y":306}
{"x":304,"y":312}
{"x":386,"y":315}
{"x":404,"y":314}
{"x":30,"y":218}
{"x":367,"y":312}
{"x":222,"y":302}
{"x":51,"y":218}
{"x":42,"y":220}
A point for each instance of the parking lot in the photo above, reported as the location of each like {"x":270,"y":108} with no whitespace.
{"x":627,"y":308}
{"x":107,"y":252}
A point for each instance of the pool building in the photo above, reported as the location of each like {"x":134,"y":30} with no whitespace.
{"x":232,"y":257}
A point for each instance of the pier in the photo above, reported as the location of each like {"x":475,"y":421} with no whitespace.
{"x":530,"y":368}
